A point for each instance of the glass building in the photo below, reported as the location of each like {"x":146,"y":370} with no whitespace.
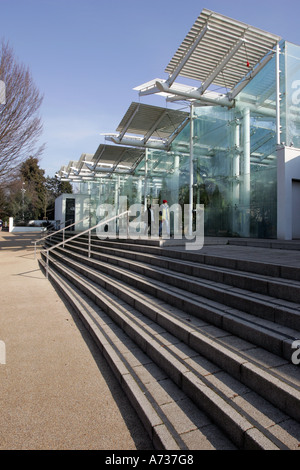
{"x":229,"y":137}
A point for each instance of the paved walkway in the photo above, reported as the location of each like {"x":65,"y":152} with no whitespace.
{"x":284,"y":257}
{"x":56,"y":390}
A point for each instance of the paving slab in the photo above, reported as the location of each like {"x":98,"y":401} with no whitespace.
{"x":288,"y":256}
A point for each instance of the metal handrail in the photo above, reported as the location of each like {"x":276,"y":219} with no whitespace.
{"x":61,"y":223}
{"x":82,"y":233}
{"x":57,"y":231}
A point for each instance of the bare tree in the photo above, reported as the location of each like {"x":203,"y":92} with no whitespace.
{"x":20,"y":123}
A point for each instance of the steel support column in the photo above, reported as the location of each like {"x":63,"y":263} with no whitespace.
{"x":191,"y":171}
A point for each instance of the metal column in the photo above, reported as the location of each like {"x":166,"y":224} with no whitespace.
{"x":278,"y":127}
{"x":146,"y":179}
{"x":191,"y":171}
{"x":246,"y":172}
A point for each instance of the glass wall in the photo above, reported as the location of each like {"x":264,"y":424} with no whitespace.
{"x":234,"y":165}
{"x":235,"y":169}
{"x":290,"y":98}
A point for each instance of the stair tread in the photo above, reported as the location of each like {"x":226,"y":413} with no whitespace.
{"x":188,"y":425}
{"x":270,"y":361}
{"x":185,"y":335}
{"x":220,"y":286}
{"x":196,"y":264}
{"x":264,"y":323}
{"x":218,"y":380}
{"x":212,"y":260}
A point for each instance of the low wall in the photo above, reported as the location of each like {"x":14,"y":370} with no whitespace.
{"x":11,"y":228}
{"x":26,"y":229}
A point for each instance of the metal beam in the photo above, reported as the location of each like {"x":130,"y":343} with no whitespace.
{"x":121,"y":135}
{"x":155,"y":125}
{"x":236,"y":90}
{"x":184,"y":60}
{"x":195,"y":95}
{"x":221,"y":66}
{"x":148,"y":90}
{"x":132,"y":142}
{"x":278,"y":127}
{"x":191,"y":173}
{"x":177,"y":131}
{"x":98,"y":158}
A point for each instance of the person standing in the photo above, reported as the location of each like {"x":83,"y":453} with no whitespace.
{"x":1,"y":224}
{"x":165,"y":218}
{"x":150,"y":218}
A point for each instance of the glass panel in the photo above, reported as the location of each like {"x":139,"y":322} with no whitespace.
{"x":235,"y":165}
{"x":292,"y":95}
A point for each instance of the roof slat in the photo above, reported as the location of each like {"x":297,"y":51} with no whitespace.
{"x":220,"y":38}
{"x":162,"y":122}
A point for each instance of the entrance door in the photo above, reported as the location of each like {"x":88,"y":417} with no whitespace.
{"x":296,"y":208}
{"x":70,"y":212}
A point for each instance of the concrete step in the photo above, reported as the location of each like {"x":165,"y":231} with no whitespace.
{"x":266,"y":243}
{"x":254,"y":368}
{"x":200,"y":258}
{"x":210,"y":257}
{"x":171,"y":419}
{"x":264,"y":284}
{"x":264,"y":321}
{"x":246,"y":418}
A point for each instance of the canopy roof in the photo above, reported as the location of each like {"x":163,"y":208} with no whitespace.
{"x":223,"y":40}
{"x":151,"y":121}
{"x":107,"y":160}
{"x":217,"y":51}
{"x":118,"y":158}
{"x":158,"y":126}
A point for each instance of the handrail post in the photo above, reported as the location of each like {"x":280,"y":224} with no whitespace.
{"x":64,"y":237}
{"x":89,"y":231}
{"x":47,"y":264}
{"x":89,"y":252}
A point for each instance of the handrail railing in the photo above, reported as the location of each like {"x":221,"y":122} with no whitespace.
{"x":61,"y":223}
{"x":57,"y":231}
{"x":89,"y":230}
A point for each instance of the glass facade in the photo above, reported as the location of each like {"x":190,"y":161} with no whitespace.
{"x":290,"y":103}
{"x":234,"y":158}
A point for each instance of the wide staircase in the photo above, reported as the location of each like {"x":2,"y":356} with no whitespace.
{"x":202,"y":345}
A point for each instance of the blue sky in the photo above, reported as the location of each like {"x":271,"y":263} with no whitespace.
{"x":86,"y":56}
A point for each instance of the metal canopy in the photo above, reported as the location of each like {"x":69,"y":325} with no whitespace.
{"x":117,"y":158}
{"x":219,"y":50}
{"x":158,"y":126}
{"x":151,"y":121}
{"x":107,"y":160}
